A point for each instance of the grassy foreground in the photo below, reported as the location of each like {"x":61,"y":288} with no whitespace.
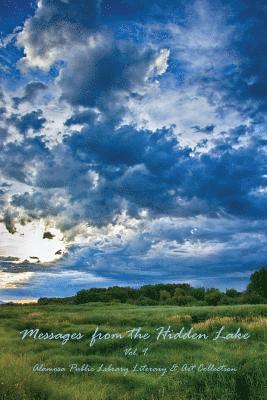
{"x":18,"y":381}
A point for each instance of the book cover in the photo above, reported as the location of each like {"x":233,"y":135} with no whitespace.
{"x":132,"y":199}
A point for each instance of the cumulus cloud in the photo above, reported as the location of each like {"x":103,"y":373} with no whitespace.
{"x":106,"y":72}
{"x":55,"y":26}
{"x":98,"y":71}
{"x":33,"y":120}
{"x":30,"y":92}
{"x":113,"y":170}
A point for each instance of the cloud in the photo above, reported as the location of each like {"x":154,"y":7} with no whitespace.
{"x":174,"y":249}
{"x":48,"y":235}
{"x":206,"y":129}
{"x":33,"y":120}
{"x":18,"y":159}
{"x":88,"y":117}
{"x":30,"y":93}
{"x":113,"y":170}
{"x":220,"y":47}
{"x":28,"y":244}
{"x":139,"y":135}
{"x":3,"y":135}
{"x":55,"y":26}
{"x":108,"y":72}
{"x":9,"y":222}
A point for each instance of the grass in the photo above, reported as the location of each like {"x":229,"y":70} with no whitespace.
{"x":18,"y":381}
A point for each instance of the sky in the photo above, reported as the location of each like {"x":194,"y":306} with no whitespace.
{"x":132,"y":144}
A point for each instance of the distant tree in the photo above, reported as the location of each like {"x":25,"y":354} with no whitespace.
{"x":232,"y":292}
{"x":181,"y":299}
{"x":121,"y":293}
{"x":81,"y":297}
{"x":185,"y":286}
{"x":145,"y":301}
{"x":258,"y":282}
{"x":252,"y":298}
{"x":228,"y":300}
{"x":43,"y":300}
{"x":149,"y":291}
{"x":189,"y":300}
{"x":91,"y":295}
{"x":178,"y":292}
{"x":198,"y":293}
{"x":164,"y":295}
{"x":213,"y":296}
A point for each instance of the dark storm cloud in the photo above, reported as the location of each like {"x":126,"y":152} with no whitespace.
{"x":250,"y":40}
{"x":240,"y":81}
{"x":98,"y":71}
{"x":152,"y":171}
{"x":147,"y":170}
{"x":108,"y":73}
{"x":140,"y":263}
{"x":38,"y":204}
{"x":16,"y":156}
{"x":143,"y":170}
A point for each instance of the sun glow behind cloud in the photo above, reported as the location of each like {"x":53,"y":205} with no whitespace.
{"x":33,"y":242}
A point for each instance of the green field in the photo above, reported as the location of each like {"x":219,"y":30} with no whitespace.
{"x":18,"y":381}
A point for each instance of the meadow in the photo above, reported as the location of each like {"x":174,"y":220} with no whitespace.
{"x":18,"y":381}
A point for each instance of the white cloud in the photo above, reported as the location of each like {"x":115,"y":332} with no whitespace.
{"x":12,"y":280}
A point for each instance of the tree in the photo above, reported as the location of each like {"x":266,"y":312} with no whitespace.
{"x":252,"y":298}
{"x":164,"y":295}
{"x":149,"y":291}
{"x":91,"y":295}
{"x":178,"y":292}
{"x":43,"y":300}
{"x":258,"y":282}
{"x":145,"y":301}
{"x":181,"y":299}
{"x":121,"y":293}
{"x":213,"y":296}
{"x":199,"y":293}
{"x":232,"y":292}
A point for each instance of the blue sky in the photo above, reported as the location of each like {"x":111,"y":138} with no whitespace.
{"x":132,"y":140}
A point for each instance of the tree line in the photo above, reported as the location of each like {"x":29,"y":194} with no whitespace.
{"x":181,"y":294}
